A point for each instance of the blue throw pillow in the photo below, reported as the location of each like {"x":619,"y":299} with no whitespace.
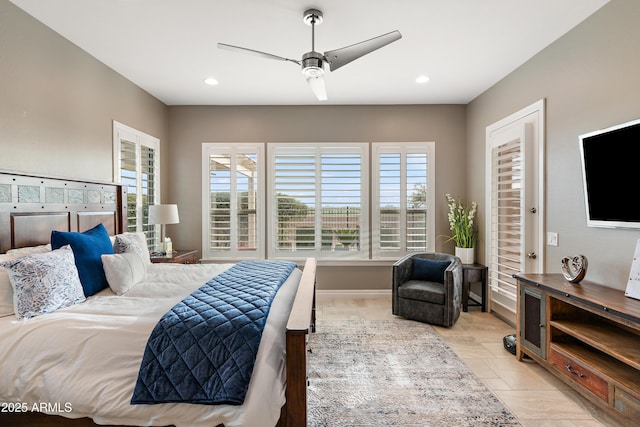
{"x":429,"y":270}
{"x":88,"y":248}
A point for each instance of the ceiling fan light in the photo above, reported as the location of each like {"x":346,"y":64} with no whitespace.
{"x":312,"y":72}
{"x":316,"y":83}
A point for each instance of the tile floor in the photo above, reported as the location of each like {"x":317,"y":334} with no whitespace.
{"x":534,"y":395}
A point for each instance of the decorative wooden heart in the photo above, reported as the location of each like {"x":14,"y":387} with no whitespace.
{"x":574,"y":268}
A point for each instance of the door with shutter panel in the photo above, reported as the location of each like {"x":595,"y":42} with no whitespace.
{"x":515,"y":204}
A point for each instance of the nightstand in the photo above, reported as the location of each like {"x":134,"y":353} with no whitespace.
{"x":472,"y":273}
{"x":178,"y":257}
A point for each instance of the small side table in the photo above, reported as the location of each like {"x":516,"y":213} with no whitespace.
{"x":178,"y":257}
{"x":473,"y":273}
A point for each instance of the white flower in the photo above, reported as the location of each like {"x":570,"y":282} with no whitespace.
{"x":461,"y":222}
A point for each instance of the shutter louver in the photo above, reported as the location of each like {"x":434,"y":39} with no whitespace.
{"x":507,"y":229}
{"x":416,"y":176}
{"x":402,"y":218}
{"x":220,"y":202}
{"x":247,"y":202}
{"x":129,"y":178}
{"x":233,"y":201}
{"x":295,"y":200}
{"x":341,"y":193}
{"x":147,"y":182}
{"x":390,"y":190}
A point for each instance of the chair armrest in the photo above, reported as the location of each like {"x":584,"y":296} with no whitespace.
{"x":453,"y":278}
{"x":402,"y":270}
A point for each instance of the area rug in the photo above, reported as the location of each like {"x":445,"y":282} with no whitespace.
{"x":393,"y":373}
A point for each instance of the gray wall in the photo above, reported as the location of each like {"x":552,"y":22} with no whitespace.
{"x":190,"y":126}
{"x":590,"y":79}
{"x":57,"y":103}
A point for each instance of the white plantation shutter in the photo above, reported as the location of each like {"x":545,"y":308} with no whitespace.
{"x":294,"y":201}
{"x":312,"y":200}
{"x":403,"y":219}
{"x":418,"y":238}
{"x":233,"y":191}
{"x":317,"y":203}
{"x":389,"y":206}
{"x":341,"y":200}
{"x":129,"y":178}
{"x":507,"y":228}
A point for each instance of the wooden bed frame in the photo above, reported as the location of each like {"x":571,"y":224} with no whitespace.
{"x":32,"y":206}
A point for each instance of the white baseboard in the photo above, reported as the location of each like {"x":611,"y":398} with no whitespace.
{"x":326,"y":294}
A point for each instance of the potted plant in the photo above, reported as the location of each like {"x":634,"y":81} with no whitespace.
{"x":463,"y":229}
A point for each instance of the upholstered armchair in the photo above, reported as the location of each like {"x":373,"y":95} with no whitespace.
{"x":427,"y":287}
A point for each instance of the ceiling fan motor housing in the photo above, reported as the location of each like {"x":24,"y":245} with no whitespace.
{"x":312,"y":64}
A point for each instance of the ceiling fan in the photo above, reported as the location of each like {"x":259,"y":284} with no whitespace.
{"x":312,"y":63}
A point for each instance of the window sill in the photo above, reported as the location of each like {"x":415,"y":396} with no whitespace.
{"x":321,"y":263}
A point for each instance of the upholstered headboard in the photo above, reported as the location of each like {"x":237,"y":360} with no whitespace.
{"x":32,"y":206}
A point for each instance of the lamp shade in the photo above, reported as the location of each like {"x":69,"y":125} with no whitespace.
{"x":163,"y":214}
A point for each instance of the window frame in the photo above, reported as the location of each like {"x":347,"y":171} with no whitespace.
{"x":403,"y":149}
{"x":139,"y":139}
{"x":233,"y":149}
{"x":318,"y":149}
{"x":370,"y":196}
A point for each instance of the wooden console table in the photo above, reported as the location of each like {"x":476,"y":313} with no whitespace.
{"x":586,"y":334}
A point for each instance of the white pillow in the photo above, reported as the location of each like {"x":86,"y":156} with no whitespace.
{"x":133,"y":242}
{"x":44,"y":282}
{"x":30,"y":250}
{"x":6,"y":291}
{"x":123,"y":271}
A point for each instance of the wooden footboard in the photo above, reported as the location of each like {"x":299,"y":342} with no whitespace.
{"x":301,"y":322}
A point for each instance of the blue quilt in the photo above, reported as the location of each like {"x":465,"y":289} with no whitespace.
{"x":203,"y":350}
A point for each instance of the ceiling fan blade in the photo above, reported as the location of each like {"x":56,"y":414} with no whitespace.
{"x":318,"y":87}
{"x":339,"y":57}
{"x":254,"y":52}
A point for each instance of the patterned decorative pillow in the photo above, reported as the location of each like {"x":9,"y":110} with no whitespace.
{"x":133,"y":242}
{"x":123,"y":271}
{"x":6,"y":291}
{"x":43,"y":283}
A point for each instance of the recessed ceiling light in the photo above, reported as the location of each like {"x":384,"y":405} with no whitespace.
{"x":422,"y":79}
{"x":211,"y":81}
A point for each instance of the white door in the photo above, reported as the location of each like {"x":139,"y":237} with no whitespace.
{"x":515,"y":223}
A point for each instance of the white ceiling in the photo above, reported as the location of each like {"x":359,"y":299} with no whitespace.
{"x":168,"y":47}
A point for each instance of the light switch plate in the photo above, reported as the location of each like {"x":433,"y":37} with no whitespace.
{"x":552,"y":239}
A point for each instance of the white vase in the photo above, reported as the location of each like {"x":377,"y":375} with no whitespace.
{"x":466,"y":255}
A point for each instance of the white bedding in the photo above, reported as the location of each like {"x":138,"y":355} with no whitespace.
{"x":83,"y":361}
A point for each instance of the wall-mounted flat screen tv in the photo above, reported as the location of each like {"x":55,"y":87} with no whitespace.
{"x":611,"y":175}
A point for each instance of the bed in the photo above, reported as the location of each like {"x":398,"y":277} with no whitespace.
{"x":78,"y":365}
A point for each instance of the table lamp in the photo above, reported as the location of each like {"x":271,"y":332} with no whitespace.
{"x":163,"y":214}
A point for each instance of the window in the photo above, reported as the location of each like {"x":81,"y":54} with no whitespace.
{"x":299,"y":200}
{"x":319,"y":199}
{"x":234,"y":199}
{"x":137,"y":166}
{"x":402,"y":215}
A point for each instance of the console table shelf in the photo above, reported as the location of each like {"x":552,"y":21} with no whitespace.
{"x":616,"y":342}
{"x":587,"y":335}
